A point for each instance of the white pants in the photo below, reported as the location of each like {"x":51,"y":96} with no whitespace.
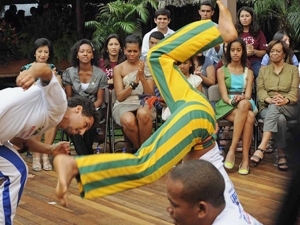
{"x":13,"y":177}
{"x":232,"y":201}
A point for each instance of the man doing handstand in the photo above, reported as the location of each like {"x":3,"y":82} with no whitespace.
{"x":189,"y":133}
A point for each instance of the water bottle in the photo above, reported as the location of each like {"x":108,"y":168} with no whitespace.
{"x":123,"y":150}
{"x":98,"y":149}
{"x":275,"y":162}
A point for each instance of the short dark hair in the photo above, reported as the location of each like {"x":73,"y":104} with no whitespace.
{"x":88,"y":108}
{"x":162,"y":11}
{"x":208,"y":3}
{"x":40,"y":42}
{"x":75,"y":49}
{"x":157,"y":35}
{"x":133,"y":39}
{"x":201,"y":182}
{"x":244,"y":54}
{"x":285,"y":48}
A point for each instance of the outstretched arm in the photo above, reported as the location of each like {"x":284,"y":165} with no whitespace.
{"x":38,"y":70}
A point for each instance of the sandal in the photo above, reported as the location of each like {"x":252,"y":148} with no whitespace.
{"x":46,"y":163}
{"x":257,"y":158}
{"x":283,"y":165}
{"x":36,"y":164}
{"x":224,"y":138}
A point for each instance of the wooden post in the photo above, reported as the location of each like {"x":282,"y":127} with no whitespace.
{"x":80,"y":15}
{"x":231,"y":6}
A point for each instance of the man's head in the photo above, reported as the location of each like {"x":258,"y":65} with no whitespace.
{"x":82,"y":115}
{"x":195,"y":190}
{"x":162,"y":19}
{"x":206,"y":10}
{"x":154,"y":38}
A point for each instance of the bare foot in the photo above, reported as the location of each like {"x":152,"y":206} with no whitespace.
{"x":226,"y":26}
{"x":66,"y":168}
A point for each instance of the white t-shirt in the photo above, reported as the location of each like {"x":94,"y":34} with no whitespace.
{"x":194,"y":80}
{"x":230,"y":217}
{"x":27,"y":113}
{"x":145,"y":45}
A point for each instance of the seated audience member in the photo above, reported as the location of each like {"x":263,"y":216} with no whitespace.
{"x":205,"y":69}
{"x":226,"y":131}
{"x":154,"y":38}
{"x":248,"y":29}
{"x":187,"y":69}
{"x":195,"y":190}
{"x":162,"y":18}
{"x":85,"y":79}
{"x":277,"y":92}
{"x":42,"y":52}
{"x":235,"y":83}
{"x":130,"y":82}
{"x":282,"y":36}
{"x":111,"y":55}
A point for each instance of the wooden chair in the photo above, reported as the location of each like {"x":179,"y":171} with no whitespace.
{"x":114,"y":127}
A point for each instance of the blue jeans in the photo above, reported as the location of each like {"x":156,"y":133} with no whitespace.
{"x":255,"y":67}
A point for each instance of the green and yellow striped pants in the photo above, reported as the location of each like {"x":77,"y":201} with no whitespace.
{"x":191,"y":122}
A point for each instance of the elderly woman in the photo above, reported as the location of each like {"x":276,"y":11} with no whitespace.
{"x":277,"y":90}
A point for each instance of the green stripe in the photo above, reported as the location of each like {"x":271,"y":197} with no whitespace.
{"x":161,"y":138}
{"x":180,"y":42}
{"x":200,"y":132}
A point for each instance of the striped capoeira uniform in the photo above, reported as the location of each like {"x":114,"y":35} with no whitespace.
{"x":191,"y":122}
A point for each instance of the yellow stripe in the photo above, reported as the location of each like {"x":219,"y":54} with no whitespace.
{"x":160,"y":152}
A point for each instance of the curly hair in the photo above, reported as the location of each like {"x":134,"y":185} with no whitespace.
{"x":41,"y":42}
{"x":88,"y":108}
{"x":75,"y":49}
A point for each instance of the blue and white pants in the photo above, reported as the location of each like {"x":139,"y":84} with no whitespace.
{"x":13,"y":177}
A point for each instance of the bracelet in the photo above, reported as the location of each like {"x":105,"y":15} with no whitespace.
{"x":229,"y":102}
{"x":133,"y":85}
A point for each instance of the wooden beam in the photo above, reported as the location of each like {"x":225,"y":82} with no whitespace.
{"x":231,"y":6}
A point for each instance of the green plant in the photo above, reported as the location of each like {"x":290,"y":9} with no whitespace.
{"x":284,"y":14}
{"x":120,"y":17}
{"x":8,"y":44}
{"x":59,"y":28}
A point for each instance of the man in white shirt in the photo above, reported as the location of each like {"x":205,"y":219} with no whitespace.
{"x":162,"y":18}
{"x":206,"y":12}
{"x":195,"y":192}
{"x":27,"y":111}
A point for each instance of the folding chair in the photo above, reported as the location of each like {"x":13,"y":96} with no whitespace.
{"x":293,"y":124}
{"x":106,"y":122}
{"x":115,"y":127}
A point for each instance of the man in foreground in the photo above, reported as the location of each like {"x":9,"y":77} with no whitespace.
{"x":189,"y":133}
{"x":195,"y":191}
{"x":27,"y":111}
